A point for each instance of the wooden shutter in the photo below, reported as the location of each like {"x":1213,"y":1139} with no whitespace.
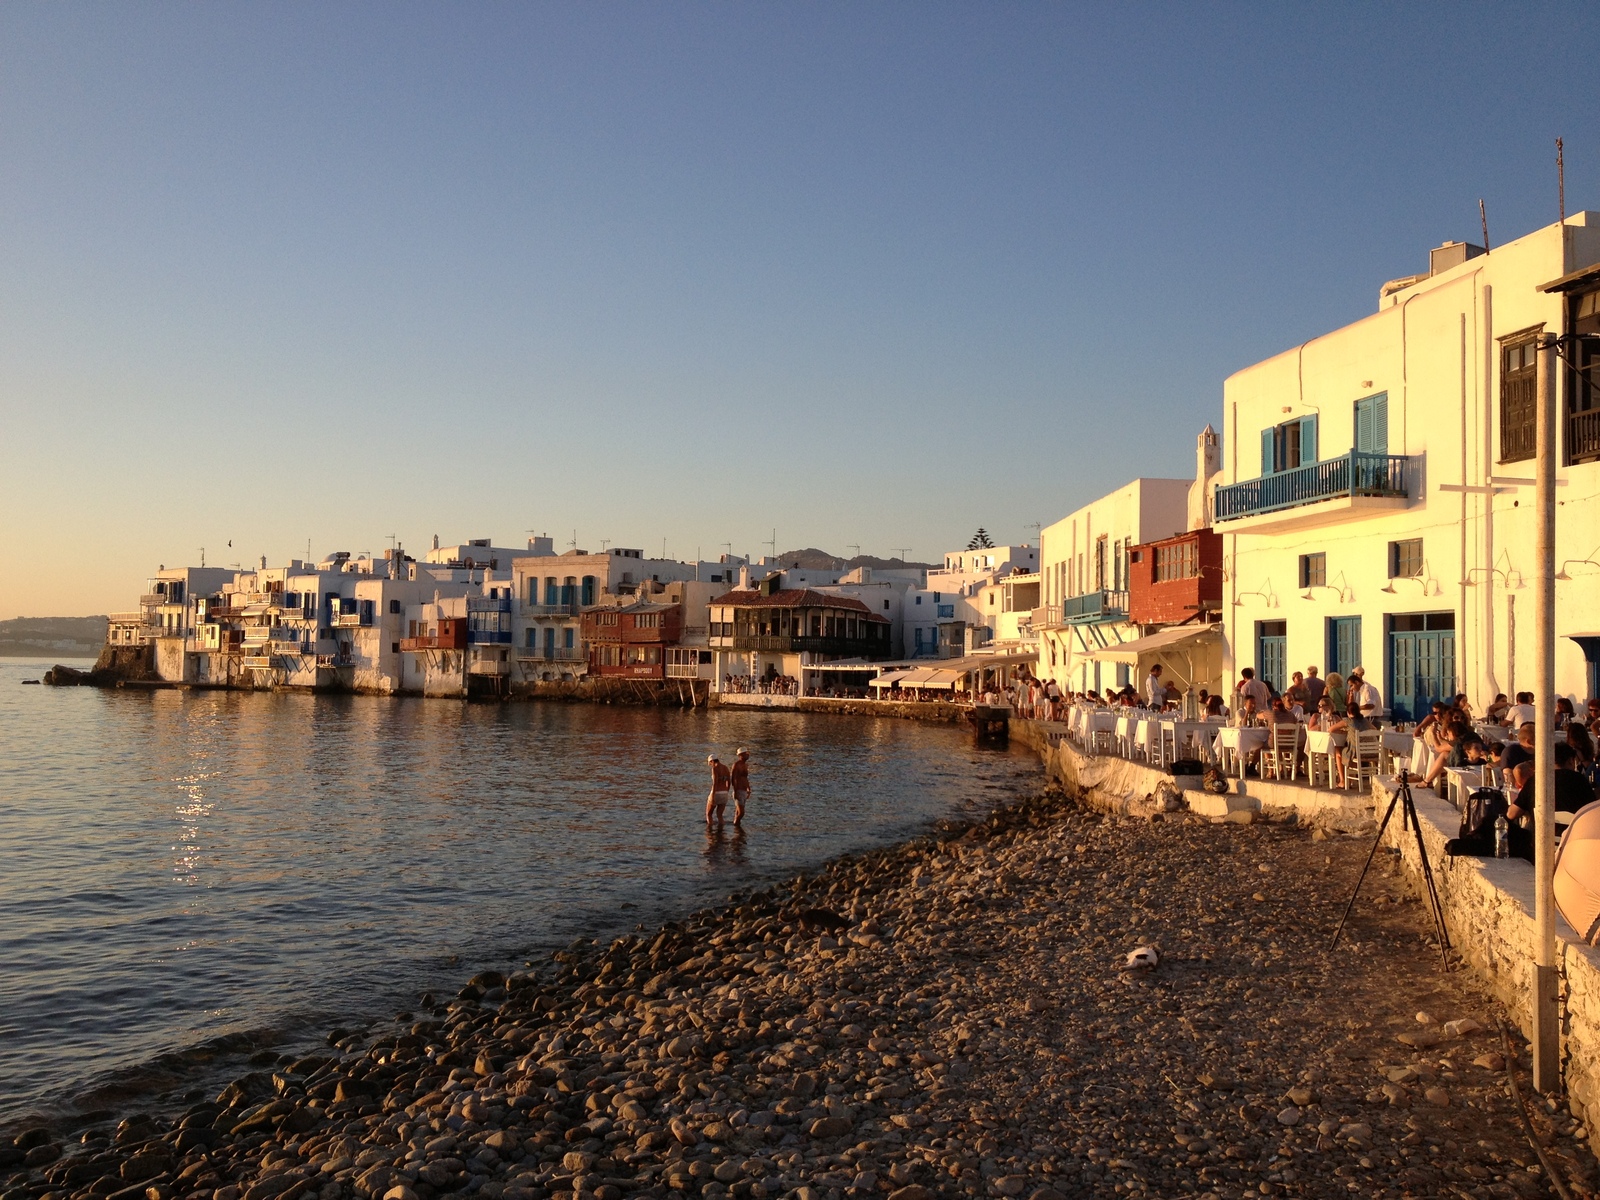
{"x":1308,"y":440}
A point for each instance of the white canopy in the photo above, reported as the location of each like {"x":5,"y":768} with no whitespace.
{"x":1178,"y":639}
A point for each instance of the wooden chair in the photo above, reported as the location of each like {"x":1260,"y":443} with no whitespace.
{"x":1281,"y":755}
{"x":1364,"y":750}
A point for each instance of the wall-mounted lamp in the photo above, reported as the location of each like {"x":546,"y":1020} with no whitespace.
{"x":1430,"y":586}
{"x":1270,"y":599}
{"x":1345,"y":595}
{"x":1562,"y":573}
{"x":1505,"y":576}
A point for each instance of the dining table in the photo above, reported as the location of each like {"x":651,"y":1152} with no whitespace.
{"x":1235,"y":743}
{"x":1321,"y":744}
{"x":1179,"y":734}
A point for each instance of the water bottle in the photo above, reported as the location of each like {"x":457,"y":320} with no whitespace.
{"x":1502,"y":837}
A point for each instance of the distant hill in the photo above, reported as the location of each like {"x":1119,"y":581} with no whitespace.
{"x":820,"y":560}
{"x":41,"y":637}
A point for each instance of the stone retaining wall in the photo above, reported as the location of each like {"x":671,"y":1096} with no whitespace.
{"x":930,"y":710}
{"x":1488,"y":903}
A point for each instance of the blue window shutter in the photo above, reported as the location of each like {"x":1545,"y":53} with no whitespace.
{"x":1308,"y":440}
{"x":1267,"y":438}
{"x":1380,"y":424}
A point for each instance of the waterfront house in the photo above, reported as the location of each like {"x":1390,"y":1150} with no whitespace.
{"x":768,"y":632}
{"x":1376,"y":498}
{"x":1084,"y":579}
{"x":629,"y":639}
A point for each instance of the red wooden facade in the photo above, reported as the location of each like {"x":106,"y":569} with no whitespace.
{"x":631,"y":642}
{"x":451,"y":635}
{"x":1175,"y":579}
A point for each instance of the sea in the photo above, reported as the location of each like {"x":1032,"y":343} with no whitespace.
{"x":194,"y":877}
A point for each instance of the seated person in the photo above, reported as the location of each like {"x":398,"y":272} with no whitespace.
{"x":1249,"y":714}
{"x":1573,"y":791}
{"x":1518,"y":752}
{"x":1522,"y":712}
{"x":1325,"y":720}
{"x":1462,"y":706}
{"x":1279,"y":714}
{"x":1443,"y":746}
{"x":1215,"y":707}
{"x":1495,"y":714}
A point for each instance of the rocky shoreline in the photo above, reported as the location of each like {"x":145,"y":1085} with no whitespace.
{"x":945,"y":1018}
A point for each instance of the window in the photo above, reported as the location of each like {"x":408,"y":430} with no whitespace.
{"x":1583,"y":383}
{"x":394,"y":607}
{"x":1313,"y":570}
{"x":1405,"y":559}
{"x":588,"y":589}
{"x":1100,"y":563}
{"x":569,"y":635}
{"x":1290,"y":445}
{"x":1180,"y":561}
{"x":1519,"y":364}
{"x":1372,"y":424}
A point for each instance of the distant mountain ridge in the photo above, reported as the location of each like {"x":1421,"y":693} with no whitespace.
{"x":820,"y":560}
{"x":39,"y":637}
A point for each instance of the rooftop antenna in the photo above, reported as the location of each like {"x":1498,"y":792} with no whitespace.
{"x":773,"y":543}
{"x":1561,"y":182}
{"x":663,"y":547}
{"x":394,"y":541}
{"x":604,"y":542}
{"x":728,"y":547}
{"x":856,"y":546}
{"x":1038,"y":526}
{"x":308,"y":549}
{"x":903,"y":551}
{"x":202,"y":556}
{"x":1483,"y":215}
{"x":574,"y":542}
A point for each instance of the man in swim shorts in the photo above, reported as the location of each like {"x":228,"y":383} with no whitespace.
{"x":741,"y":783}
{"x":721,"y":784}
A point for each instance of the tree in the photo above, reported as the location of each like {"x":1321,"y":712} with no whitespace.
{"x":980,"y":540}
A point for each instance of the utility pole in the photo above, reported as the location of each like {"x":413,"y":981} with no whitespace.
{"x":1546,"y":1015}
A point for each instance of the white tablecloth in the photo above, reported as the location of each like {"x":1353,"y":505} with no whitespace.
{"x":1241,"y":741}
{"x":1179,"y":732}
{"x":1323,"y":743}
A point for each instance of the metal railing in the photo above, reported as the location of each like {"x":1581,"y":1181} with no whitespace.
{"x":815,"y":645}
{"x":1353,"y":474}
{"x":1095,"y":606}
{"x":486,"y":637}
{"x":350,"y":621}
{"x":553,"y":654}
{"x":550,"y":610}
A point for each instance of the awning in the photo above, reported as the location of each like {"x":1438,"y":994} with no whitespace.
{"x":1182,"y":638}
{"x":942,"y":678}
{"x":888,"y":678}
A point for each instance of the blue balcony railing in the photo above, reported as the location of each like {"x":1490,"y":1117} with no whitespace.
{"x":489,"y":637}
{"x":1094,"y":606}
{"x":1355,"y":474}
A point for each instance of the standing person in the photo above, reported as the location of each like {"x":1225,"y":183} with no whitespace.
{"x":1297,"y":693}
{"x":740,"y":778}
{"x":1366,"y":704}
{"x":721,"y":784}
{"x":1154,"y":693}
{"x":1249,"y":687}
{"x":1315,"y":686}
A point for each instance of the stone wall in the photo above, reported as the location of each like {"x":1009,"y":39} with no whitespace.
{"x":930,"y":710}
{"x":1488,"y":907}
{"x":1488,"y":903}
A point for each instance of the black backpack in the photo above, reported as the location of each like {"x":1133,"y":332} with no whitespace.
{"x":1484,"y":806}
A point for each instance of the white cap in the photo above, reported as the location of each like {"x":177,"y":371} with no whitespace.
{"x":743,"y":751}
{"x":711,"y":758}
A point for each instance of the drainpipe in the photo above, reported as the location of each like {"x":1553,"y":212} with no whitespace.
{"x":1488,"y":497}
{"x":1546,"y":1016}
{"x":1462,"y":525}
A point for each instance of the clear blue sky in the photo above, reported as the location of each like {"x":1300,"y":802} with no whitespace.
{"x":872,"y":274}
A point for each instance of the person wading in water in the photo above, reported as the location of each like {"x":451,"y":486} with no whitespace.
{"x":741,"y":783}
{"x":721,"y":784}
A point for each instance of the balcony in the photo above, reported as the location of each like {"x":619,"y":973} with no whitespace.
{"x":152,"y":599}
{"x":489,"y":637}
{"x":1094,"y":608}
{"x":350,"y":621}
{"x":1319,"y":494}
{"x":865,"y":647}
{"x":553,"y":654}
{"x":550,"y":610}
{"x":435,"y":642}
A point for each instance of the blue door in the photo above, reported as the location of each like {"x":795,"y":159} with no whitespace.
{"x":549,"y":641}
{"x":1272,"y":652}
{"x":1344,"y":644}
{"x":1422,"y":662}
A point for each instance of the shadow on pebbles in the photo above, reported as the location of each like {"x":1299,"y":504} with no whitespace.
{"x":946,"y":1018}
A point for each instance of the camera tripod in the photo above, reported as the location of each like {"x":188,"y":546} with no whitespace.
{"x":1402,"y":796}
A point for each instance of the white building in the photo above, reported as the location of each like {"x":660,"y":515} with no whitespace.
{"x":1376,"y":499}
{"x":1083,"y":578}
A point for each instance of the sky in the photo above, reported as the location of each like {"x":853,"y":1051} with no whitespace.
{"x":680,"y":275}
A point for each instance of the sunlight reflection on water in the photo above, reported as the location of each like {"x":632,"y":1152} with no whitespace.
{"x":183,"y":865}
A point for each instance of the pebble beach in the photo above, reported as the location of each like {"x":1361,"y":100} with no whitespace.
{"x":949,"y":1017}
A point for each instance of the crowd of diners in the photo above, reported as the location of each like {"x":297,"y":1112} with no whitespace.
{"x":1499,"y":742}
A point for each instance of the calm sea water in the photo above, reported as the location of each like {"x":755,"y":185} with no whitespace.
{"x":192,"y":875}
